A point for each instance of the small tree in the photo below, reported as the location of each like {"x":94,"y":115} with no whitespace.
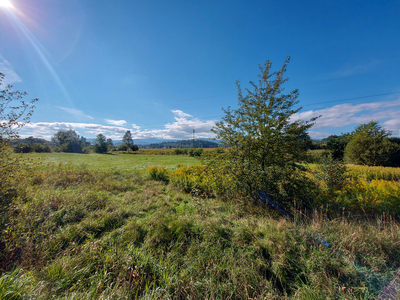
{"x":100,"y":144}
{"x":14,"y":114}
{"x":370,"y":145}
{"x":128,"y":141}
{"x":264,"y":143}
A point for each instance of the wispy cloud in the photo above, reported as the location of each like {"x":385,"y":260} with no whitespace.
{"x":76,"y":112}
{"x":7,"y":70}
{"x":116,"y":122}
{"x":352,"y":70}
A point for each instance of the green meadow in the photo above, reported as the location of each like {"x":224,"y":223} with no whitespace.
{"x":91,"y":226}
{"x":112,"y":162}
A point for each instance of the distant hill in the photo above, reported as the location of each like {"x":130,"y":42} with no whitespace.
{"x":184,"y":144}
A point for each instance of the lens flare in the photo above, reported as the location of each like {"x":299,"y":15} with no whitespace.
{"x":37,"y":46}
{"x":5,"y":3}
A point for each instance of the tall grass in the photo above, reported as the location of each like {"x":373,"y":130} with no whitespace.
{"x":375,"y":173}
{"x":79,"y":234}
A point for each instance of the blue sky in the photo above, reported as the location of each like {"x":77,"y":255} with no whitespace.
{"x":163,"y":68}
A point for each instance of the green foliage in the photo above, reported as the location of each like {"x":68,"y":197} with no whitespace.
{"x":337,"y":144}
{"x":14,"y":114}
{"x":315,"y":156}
{"x":122,"y":147}
{"x":41,"y":148}
{"x":370,"y":146}
{"x":36,"y":147}
{"x":110,"y":145}
{"x":331,"y":172}
{"x":68,"y":141}
{"x":100,"y":144}
{"x":264,"y":142}
{"x":180,"y":151}
{"x":195,"y":152}
{"x":127,"y":143}
{"x":158,"y":173}
{"x":23,"y":148}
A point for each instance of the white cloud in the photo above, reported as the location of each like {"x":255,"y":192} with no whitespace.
{"x":116,"y":122}
{"x":47,"y":129}
{"x":348,"y":114}
{"x":182,"y":128}
{"x":393,"y":125}
{"x":6,"y":69}
{"x":318,"y":135}
{"x":76,"y":112}
{"x":181,"y":114}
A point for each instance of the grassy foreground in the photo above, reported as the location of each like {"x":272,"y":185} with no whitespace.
{"x":74,"y":233}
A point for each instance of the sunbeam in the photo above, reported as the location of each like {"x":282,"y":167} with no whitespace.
{"x":40,"y":50}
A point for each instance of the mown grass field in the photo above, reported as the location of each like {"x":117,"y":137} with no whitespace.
{"x":100,"y":229}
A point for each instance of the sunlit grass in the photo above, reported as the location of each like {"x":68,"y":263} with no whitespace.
{"x":114,"y":162}
{"x":76,"y":233}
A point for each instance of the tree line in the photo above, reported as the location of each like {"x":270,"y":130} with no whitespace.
{"x":183,"y":144}
{"x":69,"y":141}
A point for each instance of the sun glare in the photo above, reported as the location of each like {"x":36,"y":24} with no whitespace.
{"x":5,"y":3}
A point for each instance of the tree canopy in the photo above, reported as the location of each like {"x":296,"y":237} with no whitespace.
{"x":100,"y":144}
{"x":68,"y":141}
{"x":127,"y":142}
{"x":370,"y":145}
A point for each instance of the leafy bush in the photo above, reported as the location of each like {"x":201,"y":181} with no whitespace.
{"x":194,"y":179}
{"x":158,"y":173}
{"x":331,"y":172}
{"x":195,"y":152}
{"x":41,"y":148}
{"x":23,"y":148}
{"x":180,"y":151}
{"x":315,"y":156}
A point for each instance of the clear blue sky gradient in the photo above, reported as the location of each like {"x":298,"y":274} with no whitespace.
{"x":164,"y":68}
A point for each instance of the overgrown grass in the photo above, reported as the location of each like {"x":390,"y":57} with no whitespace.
{"x":375,"y":173}
{"x":76,"y":233}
